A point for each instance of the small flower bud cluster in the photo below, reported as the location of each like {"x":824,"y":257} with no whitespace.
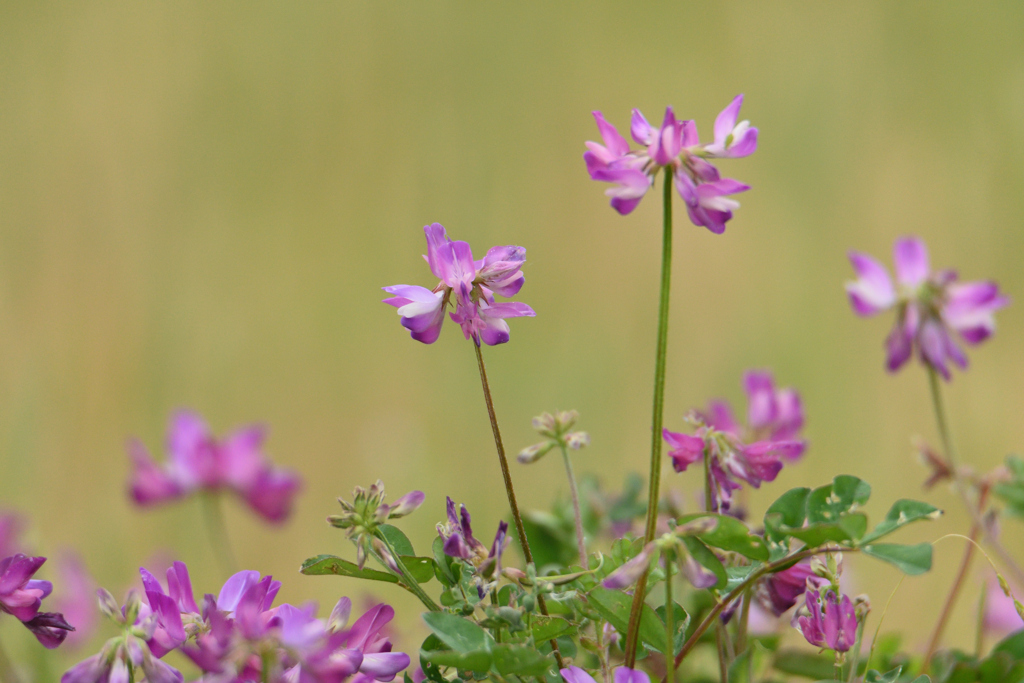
{"x":555,"y":429}
{"x":366,"y":513}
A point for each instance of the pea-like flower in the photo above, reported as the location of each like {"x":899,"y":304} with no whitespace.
{"x":753,"y":454}
{"x":21,"y":596}
{"x":575,"y":674}
{"x":466,"y":284}
{"x":932,"y":309}
{"x":200,"y":462}
{"x":676,"y":146}
{"x":459,"y":542}
{"x":833,"y":625}
{"x":366,"y":512}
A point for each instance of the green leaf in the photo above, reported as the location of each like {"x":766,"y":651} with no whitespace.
{"x":442,"y":563}
{"x":478,"y":660}
{"x":420,"y":568}
{"x":790,"y":510}
{"x":842,"y":496}
{"x":923,"y":678}
{"x":901,"y":513}
{"x":521,"y":660}
{"x":731,"y":534}
{"x":398,"y":540}
{"x":680,"y":621}
{"x":909,"y":559}
{"x":848,"y":528}
{"x":873,"y":676}
{"x":461,"y":635}
{"x":707,"y":559}
{"x":545,"y":628}
{"x":322,"y":565}
{"x":614,"y":606}
{"x":1012,"y":644}
{"x":804,"y":664}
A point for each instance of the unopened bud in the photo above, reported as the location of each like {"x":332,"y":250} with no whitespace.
{"x":407,"y":504}
{"x":513,"y":574}
{"x":535,"y":452}
{"x":131,"y":607}
{"x":577,"y":440}
{"x":528,"y":602}
{"x":861,"y":606}
{"x":386,"y":556}
{"x":566,"y":419}
{"x":546,"y":424}
{"x":108,"y":605}
{"x":339,"y":615}
{"x":340,"y":521}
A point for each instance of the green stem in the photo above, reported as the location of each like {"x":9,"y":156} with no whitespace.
{"x":661,"y":351}
{"x":581,"y":544}
{"x":723,"y":670}
{"x":509,"y":491}
{"x":670,"y":615}
{"x":602,"y":653}
{"x":217,"y":530}
{"x":403,"y":573}
{"x":855,"y":651}
{"x":744,"y":624}
{"x":7,"y":671}
{"x":979,"y":636}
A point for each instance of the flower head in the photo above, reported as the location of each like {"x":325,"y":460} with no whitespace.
{"x":468,"y":285}
{"x":753,"y":454}
{"x":833,"y":626}
{"x":676,"y":146}
{"x":367,"y":511}
{"x":556,"y":432}
{"x":200,"y":462}
{"x":459,"y":542}
{"x":932,"y":309}
{"x":780,"y":591}
{"x":21,"y":596}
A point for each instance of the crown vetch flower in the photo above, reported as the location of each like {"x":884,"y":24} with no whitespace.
{"x":200,"y":462}
{"x":931,"y":308}
{"x":753,"y":454}
{"x":833,"y":626}
{"x":21,"y":596}
{"x":471,"y":283}
{"x":675,"y":145}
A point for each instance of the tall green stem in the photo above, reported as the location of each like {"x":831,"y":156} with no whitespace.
{"x":581,"y":544}
{"x":509,"y":491}
{"x":653,"y":493}
{"x":213,"y":514}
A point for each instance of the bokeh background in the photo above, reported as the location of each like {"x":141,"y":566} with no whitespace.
{"x":199,"y":203}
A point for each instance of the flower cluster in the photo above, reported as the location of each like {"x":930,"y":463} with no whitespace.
{"x":677,"y":147}
{"x":459,"y":542}
{"x":556,"y":432}
{"x":833,"y":625}
{"x":754,"y":454}
{"x":21,"y":596}
{"x":238,"y":636}
{"x":199,"y":462}
{"x":931,"y":308}
{"x":366,"y":513}
{"x":473,"y":285}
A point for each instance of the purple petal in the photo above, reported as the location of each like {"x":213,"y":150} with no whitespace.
{"x":438,"y":255}
{"x":15,"y":571}
{"x":872,"y":291}
{"x":49,"y":628}
{"x":574,"y":674}
{"x":911,"y":259}
{"x":630,"y":572}
{"x":899,"y":344}
{"x":613,"y":141}
{"x":639,"y":128}
{"x":272,"y":494}
{"x":383,"y":666}
{"x":624,"y":675}
{"x":407,"y":504}
{"x":369,"y":625}
{"x":726,"y":119}
{"x":149,"y":483}
{"x":234,"y":588}
{"x":179,"y":587}
{"x":685,"y":450}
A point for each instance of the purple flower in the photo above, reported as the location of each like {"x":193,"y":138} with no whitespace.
{"x":675,"y":145}
{"x":574,"y":674}
{"x":459,"y":542}
{"x":472,"y":284}
{"x":753,"y":454}
{"x":630,"y":572}
{"x":21,"y":596}
{"x":627,"y":675}
{"x":931,"y":308}
{"x":780,"y":591}
{"x":199,"y":462}
{"x":834,"y":627}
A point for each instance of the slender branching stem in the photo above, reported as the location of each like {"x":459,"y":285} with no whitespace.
{"x":581,"y":544}
{"x":653,"y":493}
{"x":670,"y":626}
{"x":517,"y":518}
{"x":979,"y":635}
{"x":406,"y":578}
{"x":217,"y":530}
{"x":954,"y":592}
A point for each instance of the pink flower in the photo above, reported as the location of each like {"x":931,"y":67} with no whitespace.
{"x":676,"y":146}
{"x":471,"y":283}
{"x":199,"y":462}
{"x":834,"y":627}
{"x":21,"y":596}
{"x":931,"y":308}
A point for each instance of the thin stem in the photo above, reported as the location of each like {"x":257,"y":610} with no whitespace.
{"x":581,"y":544}
{"x":509,"y":491}
{"x":7,"y":671}
{"x":723,"y":670}
{"x":217,"y":530}
{"x":670,"y":615}
{"x":954,"y":592}
{"x":744,"y":624}
{"x":653,"y":494}
{"x":403,"y":573}
{"x":602,"y":653}
{"x":979,"y":636}
{"x":855,"y":651}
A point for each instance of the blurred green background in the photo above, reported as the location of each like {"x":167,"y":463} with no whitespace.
{"x":199,"y":203}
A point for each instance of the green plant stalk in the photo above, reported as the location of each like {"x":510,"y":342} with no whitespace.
{"x":855,"y":652}
{"x":742,"y":627}
{"x":517,"y":518}
{"x":661,"y":352}
{"x":724,"y":654}
{"x":581,"y":544}
{"x":602,"y":652}
{"x":410,"y":584}
{"x":670,"y":616}
{"x":979,"y":636}
{"x":217,"y":529}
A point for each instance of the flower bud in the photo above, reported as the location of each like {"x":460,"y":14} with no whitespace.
{"x":546,"y":424}
{"x":131,"y":607}
{"x":535,"y":452}
{"x":339,"y":615}
{"x":407,"y":504}
{"x":386,"y":556}
{"x":108,"y":605}
{"x":577,"y":440}
{"x":528,"y":602}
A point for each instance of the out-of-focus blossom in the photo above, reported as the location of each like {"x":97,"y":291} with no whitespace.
{"x":366,"y":512}
{"x":626,"y":675}
{"x":780,"y":591}
{"x":753,"y":454}
{"x":1000,"y":614}
{"x":467,"y":284}
{"x":555,"y":428}
{"x":932,"y":309}
{"x":630,"y":572}
{"x":833,"y":625}
{"x":676,"y":146}
{"x":76,"y":598}
{"x":459,"y":542}
{"x":200,"y":462}
{"x":21,"y":596}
